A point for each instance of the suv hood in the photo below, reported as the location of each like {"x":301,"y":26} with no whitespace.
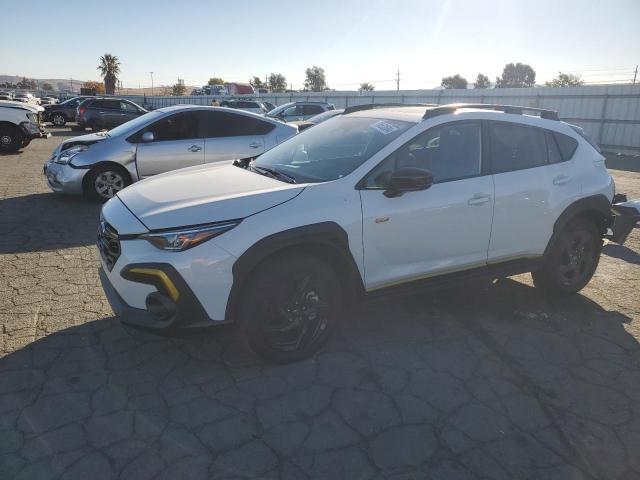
{"x":204,"y":194}
{"x":30,"y":107}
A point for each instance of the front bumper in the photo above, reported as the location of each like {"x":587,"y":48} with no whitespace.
{"x":64,"y":178}
{"x":624,"y":217}
{"x":33,"y":130}
{"x":172,"y":307}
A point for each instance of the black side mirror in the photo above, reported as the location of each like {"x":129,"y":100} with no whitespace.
{"x":408,"y":179}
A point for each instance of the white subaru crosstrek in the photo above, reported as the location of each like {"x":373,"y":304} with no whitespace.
{"x":372,"y":201}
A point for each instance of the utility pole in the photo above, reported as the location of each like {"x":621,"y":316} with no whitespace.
{"x":398,"y":80}
{"x":635,"y":74}
{"x":71,"y":84}
{"x":151,"y":83}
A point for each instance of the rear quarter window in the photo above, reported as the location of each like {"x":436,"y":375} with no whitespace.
{"x":566,"y":144}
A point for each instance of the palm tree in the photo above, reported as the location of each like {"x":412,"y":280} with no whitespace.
{"x":109,"y":69}
{"x":366,"y":87}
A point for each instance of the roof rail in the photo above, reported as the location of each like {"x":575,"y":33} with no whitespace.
{"x":371,"y":106}
{"x":517,"y":110}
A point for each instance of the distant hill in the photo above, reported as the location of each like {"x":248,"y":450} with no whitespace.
{"x":58,"y":83}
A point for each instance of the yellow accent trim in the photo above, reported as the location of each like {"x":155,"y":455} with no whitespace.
{"x":164,"y":278}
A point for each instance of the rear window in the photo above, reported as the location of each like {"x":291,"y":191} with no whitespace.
{"x":226,"y":124}
{"x":516,"y":147}
{"x":566,"y":144}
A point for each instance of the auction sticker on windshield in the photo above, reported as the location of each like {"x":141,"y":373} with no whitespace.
{"x":384,"y":127}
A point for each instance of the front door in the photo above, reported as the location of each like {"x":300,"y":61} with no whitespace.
{"x":443,"y":229}
{"x":176,"y":144}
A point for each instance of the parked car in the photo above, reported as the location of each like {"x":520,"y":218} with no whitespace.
{"x":24,"y":98}
{"x":101,"y":164}
{"x":298,"y":111}
{"x":316,"y":119}
{"x":372,"y":202}
{"x":20,"y":123}
{"x":246,"y":105}
{"x":61,"y":113}
{"x":103,"y":113}
{"x":6,"y":95}
{"x":48,"y":100}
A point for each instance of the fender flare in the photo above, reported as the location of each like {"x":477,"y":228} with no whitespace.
{"x":590,"y":206}
{"x":325,"y":239}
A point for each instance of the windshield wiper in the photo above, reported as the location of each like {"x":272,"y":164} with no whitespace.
{"x":272,"y":173}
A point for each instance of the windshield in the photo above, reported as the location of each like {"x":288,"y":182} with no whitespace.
{"x":333,"y":149}
{"x":134,"y":124}
{"x":280,"y":109}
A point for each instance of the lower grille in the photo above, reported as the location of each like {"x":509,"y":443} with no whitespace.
{"x":108,"y":243}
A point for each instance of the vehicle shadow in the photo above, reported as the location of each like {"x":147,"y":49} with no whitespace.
{"x":490,"y":381}
{"x":46,"y":221}
{"x":621,"y":252}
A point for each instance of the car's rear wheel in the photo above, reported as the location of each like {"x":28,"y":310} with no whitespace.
{"x":11,"y":139}
{"x":58,"y":119}
{"x":105,"y":181}
{"x":290,"y":308}
{"x":572,"y":261}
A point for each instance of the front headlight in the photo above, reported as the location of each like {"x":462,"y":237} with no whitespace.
{"x":183,"y":239}
{"x":65,"y":157}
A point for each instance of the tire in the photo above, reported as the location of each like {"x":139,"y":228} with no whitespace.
{"x":104,"y":181}
{"x":572,"y":261}
{"x":11,"y":139}
{"x":25,"y":142}
{"x":58,"y":119}
{"x":290,"y":308}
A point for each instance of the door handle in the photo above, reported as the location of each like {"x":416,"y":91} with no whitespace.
{"x":561,"y":179}
{"x":479,"y":199}
{"x":254,"y":145}
{"x":194,"y":148}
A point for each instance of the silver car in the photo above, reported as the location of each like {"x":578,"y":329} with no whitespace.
{"x":101,"y":164}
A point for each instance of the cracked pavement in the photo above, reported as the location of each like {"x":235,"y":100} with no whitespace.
{"x":482,"y":382}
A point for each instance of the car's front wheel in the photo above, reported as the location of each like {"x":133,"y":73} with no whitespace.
{"x":58,"y":120}
{"x":290,"y":307}
{"x":572,"y":260}
{"x":105,"y":181}
{"x":11,"y":139}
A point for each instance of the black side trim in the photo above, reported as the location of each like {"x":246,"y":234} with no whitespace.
{"x":595,"y":204}
{"x":319,"y":238}
{"x":454,"y":279}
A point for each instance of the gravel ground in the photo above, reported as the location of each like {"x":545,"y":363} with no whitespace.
{"x":486,"y":382}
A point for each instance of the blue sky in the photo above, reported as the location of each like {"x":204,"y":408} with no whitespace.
{"x":353,"y":40}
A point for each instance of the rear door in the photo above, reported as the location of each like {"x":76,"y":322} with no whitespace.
{"x":177,"y":144}
{"x":532,"y":187}
{"x":109,"y":114}
{"x":128,"y":111}
{"x":309,"y":111}
{"x":230,"y":136}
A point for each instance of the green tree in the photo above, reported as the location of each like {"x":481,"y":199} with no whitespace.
{"x":27,"y":84}
{"x":255,"y":82}
{"x":455,"y":81}
{"x":315,"y":79}
{"x":215,"y":81}
{"x":109,"y":69}
{"x":482,"y":81}
{"x":47,"y":86}
{"x":565,"y":80}
{"x":516,"y":75}
{"x":98,"y":87}
{"x":277,"y":82}
{"x":367,"y":87}
{"x":178,"y":89}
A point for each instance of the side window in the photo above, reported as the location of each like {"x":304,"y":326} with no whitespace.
{"x":516,"y":147}
{"x":180,"y":126}
{"x":311,"y":109}
{"x":450,"y":152}
{"x":111,"y":104}
{"x":291,"y":111}
{"x":553,"y":151}
{"x":225,"y":124}
{"x":566,"y":144}
{"x":128,"y":107}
